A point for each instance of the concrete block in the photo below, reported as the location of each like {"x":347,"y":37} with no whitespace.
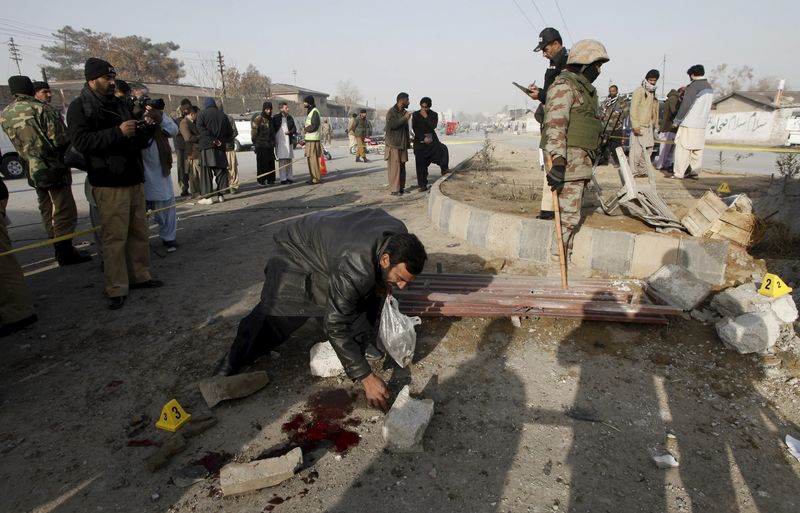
{"x":239,"y":478}
{"x":502,"y":235}
{"x":435,"y":204}
{"x":581,"y":248}
{"x":740,"y":300}
{"x":406,"y":422}
{"x":678,"y":287}
{"x":651,"y":251}
{"x":477,"y":227}
{"x":535,"y":239}
{"x":444,"y":214}
{"x":224,"y":388}
{"x":459,"y":220}
{"x":785,"y":309}
{"x":612,"y":252}
{"x":324,"y":361}
{"x":705,"y":258}
{"x":751,"y":332}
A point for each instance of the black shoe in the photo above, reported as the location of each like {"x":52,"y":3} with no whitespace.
{"x":365,"y":160}
{"x":224,"y":367}
{"x":66,"y":254}
{"x":171,"y":245}
{"x":289,"y":181}
{"x":358,"y":159}
{"x":284,"y":182}
{"x":149,"y":284}
{"x":398,"y":193}
{"x":13,"y":327}
{"x":546,"y":215}
{"x":423,"y":188}
{"x":115,"y":303}
{"x":184,"y":193}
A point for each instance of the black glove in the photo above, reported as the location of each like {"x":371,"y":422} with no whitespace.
{"x":555,"y":177}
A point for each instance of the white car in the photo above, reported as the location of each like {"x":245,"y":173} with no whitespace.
{"x":243,"y":140}
{"x":10,"y":166}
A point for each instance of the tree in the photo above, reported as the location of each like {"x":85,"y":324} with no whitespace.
{"x":250,"y":83}
{"x":348,"y":94}
{"x":134,"y":57}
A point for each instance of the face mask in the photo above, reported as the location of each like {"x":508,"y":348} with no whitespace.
{"x":591,"y":72}
{"x":649,"y":87}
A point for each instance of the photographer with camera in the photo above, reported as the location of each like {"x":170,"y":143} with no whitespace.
{"x":157,"y":161}
{"x":102,"y":129}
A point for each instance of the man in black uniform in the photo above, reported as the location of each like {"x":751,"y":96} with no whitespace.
{"x":427,"y":147}
{"x":339,"y":266}
{"x":551,"y":46}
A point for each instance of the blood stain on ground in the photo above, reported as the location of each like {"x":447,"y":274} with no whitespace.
{"x":214,"y":461}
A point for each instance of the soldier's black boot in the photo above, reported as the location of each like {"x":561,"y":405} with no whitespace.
{"x":66,"y":254}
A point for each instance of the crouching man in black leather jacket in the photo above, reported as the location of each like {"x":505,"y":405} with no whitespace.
{"x":338,"y":266}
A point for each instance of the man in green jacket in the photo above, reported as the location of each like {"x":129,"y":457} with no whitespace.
{"x":666,"y":133}
{"x":361,"y":128}
{"x":397,"y":143}
{"x":40,"y":137}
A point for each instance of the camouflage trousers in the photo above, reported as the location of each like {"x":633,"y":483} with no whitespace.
{"x":570,"y":201}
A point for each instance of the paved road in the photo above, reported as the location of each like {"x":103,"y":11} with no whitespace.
{"x":24,"y":214}
{"x":23,"y":210}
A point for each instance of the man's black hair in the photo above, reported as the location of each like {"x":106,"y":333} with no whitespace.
{"x":355,"y":115}
{"x":402,"y":95}
{"x":697,"y":70}
{"x":614,"y":86}
{"x":282,"y":104}
{"x":653,"y":73}
{"x":186,"y":101}
{"x":406,"y":248}
{"x":363,"y":111}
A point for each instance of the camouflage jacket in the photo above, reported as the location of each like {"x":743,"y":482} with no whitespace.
{"x":562,"y":98}
{"x":40,"y":137}
{"x":613,"y":113}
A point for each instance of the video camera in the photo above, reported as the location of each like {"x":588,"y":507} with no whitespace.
{"x":146,"y":101}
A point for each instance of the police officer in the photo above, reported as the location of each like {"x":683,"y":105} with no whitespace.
{"x":570,"y":114}
{"x":40,"y":137}
{"x":551,"y":46}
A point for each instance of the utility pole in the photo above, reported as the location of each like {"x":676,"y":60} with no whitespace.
{"x":221,"y":62}
{"x":13,"y":52}
{"x":663,"y":74}
{"x":294,"y":74}
{"x":44,"y":75}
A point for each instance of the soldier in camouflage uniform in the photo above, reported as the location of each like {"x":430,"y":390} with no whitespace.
{"x":613,"y":112}
{"x":40,"y":137}
{"x":573,"y":130}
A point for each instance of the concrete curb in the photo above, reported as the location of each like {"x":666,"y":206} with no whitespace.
{"x":614,"y":253}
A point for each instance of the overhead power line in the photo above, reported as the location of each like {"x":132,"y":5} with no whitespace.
{"x":525,"y":15}
{"x":539,"y":11}
{"x":13,"y":52}
{"x":572,"y":41}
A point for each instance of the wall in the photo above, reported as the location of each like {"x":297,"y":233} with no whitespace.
{"x":751,"y":127}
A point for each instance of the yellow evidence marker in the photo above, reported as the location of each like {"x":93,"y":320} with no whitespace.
{"x":772,"y":286}
{"x":724,"y":188}
{"x":173,"y":416}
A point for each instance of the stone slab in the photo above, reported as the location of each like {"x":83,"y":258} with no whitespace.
{"x":224,"y":388}
{"x":751,"y":332}
{"x":406,"y":422}
{"x":612,"y":252}
{"x":477,"y":227}
{"x":535,"y":239}
{"x":581,"y":248}
{"x":459,"y":220}
{"x":239,"y":478}
{"x":324,"y":361}
{"x":678,"y":287}
{"x":705,"y":258}
{"x":651,"y":252}
{"x":502,"y":235}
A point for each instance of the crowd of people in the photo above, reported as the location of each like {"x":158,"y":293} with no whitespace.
{"x":577,"y":132}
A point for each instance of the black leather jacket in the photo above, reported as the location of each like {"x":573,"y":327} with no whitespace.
{"x":331,"y":270}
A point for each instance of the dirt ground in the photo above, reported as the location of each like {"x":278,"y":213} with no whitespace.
{"x":557,"y":415}
{"x":514,"y":186}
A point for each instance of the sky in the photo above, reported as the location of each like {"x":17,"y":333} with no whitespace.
{"x":463,"y":54}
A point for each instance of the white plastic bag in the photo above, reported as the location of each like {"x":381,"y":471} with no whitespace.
{"x":396,"y":332}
